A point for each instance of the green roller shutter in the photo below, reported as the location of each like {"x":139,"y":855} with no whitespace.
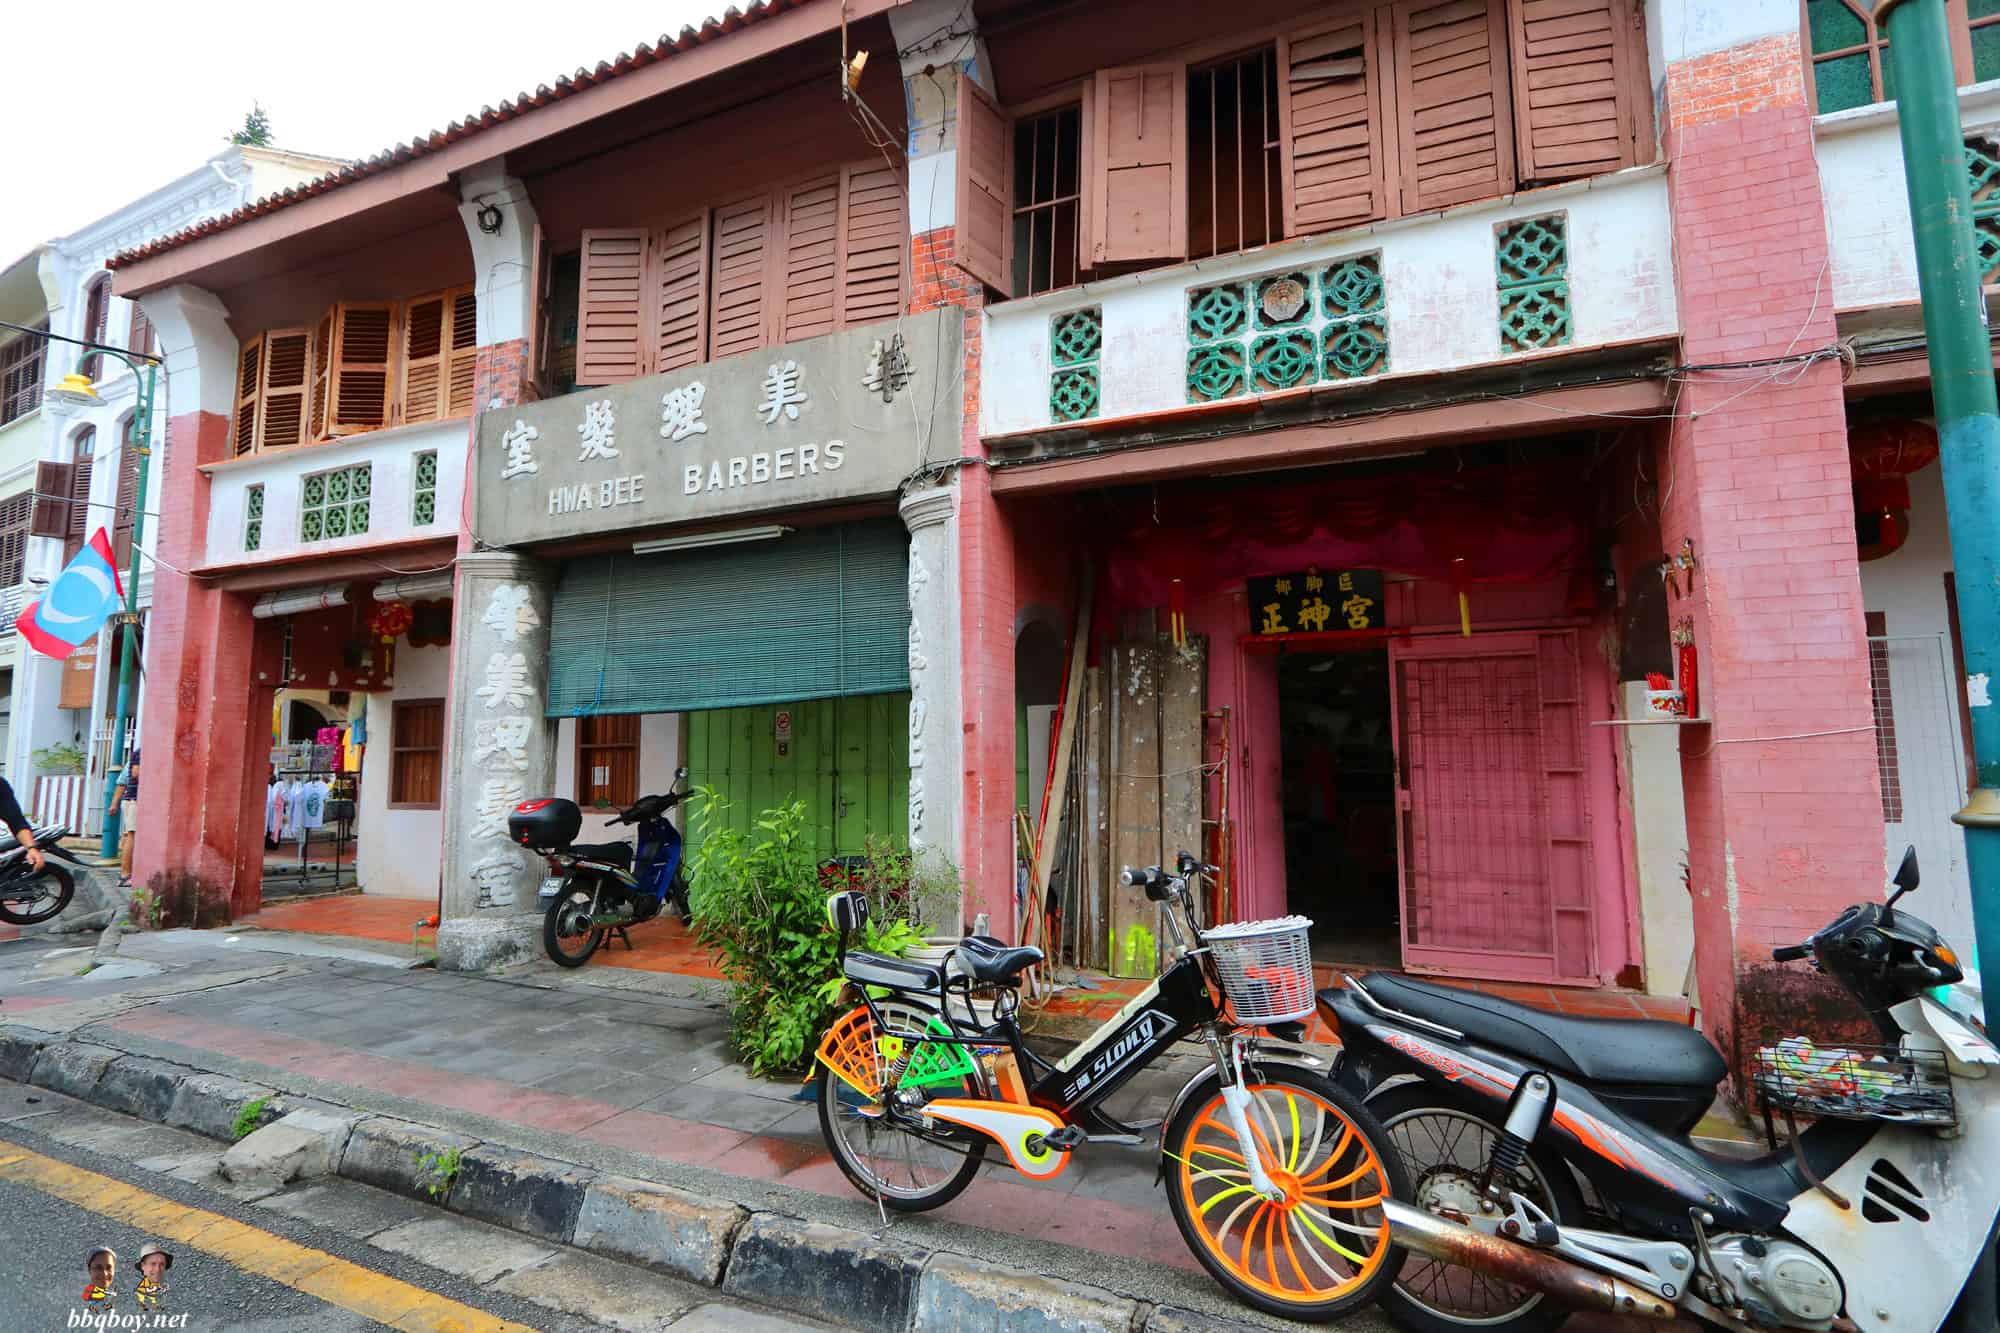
{"x":818,"y":614}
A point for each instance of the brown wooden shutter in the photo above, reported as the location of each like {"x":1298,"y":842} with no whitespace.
{"x":281,"y":420}
{"x":359,"y":379}
{"x":51,"y":513}
{"x":128,"y":496}
{"x":461,"y":353}
{"x":611,"y":301}
{"x":681,"y":258}
{"x":249,"y":385}
{"x":1451,"y":102}
{"x":1139,"y":162}
{"x":140,"y":339}
{"x":423,"y":358}
{"x":742,"y":243}
{"x":96,"y":311}
{"x":1333,"y":113}
{"x":811,"y":258}
{"x":77,"y":531}
{"x":322,"y":388}
{"x":1574,"y":87}
{"x":541,"y":274}
{"x":984,"y":221}
{"x":874,"y":243}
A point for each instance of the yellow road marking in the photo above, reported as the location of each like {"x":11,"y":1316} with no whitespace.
{"x":314,"y":1272}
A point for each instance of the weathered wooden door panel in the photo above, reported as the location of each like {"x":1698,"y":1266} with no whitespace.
{"x":1496,"y":838}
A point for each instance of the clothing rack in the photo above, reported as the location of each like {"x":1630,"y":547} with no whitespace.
{"x":305,"y":762}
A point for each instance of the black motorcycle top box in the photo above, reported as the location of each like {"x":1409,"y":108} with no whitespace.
{"x":546,"y":822}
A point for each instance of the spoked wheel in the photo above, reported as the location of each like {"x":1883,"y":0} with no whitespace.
{"x":1445,"y":1145}
{"x":36,"y":898}
{"x":567,"y":934}
{"x":1321,"y":1250}
{"x":908,"y":1172}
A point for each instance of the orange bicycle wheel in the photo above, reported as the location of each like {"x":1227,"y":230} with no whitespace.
{"x":1323,"y":1248}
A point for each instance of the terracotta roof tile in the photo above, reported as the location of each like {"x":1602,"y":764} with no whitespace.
{"x":569,"y":85}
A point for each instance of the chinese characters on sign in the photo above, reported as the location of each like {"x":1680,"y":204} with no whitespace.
{"x":597,"y":430}
{"x":680,"y":412}
{"x":519,"y":443}
{"x":1316,"y":602}
{"x":782,"y":392}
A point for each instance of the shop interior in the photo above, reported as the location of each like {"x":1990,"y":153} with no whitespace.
{"x":1339,"y":794}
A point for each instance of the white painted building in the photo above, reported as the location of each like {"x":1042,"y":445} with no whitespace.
{"x":80,"y":464}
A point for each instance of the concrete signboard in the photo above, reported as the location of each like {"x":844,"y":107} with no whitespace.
{"x":836,"y":418}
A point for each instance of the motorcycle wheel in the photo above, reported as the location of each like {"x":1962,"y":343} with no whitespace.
{"x":1445,"y":1142}
{"x":32,"y":900}
{"x":567,"y":934}
{"x":1325,"y":1250}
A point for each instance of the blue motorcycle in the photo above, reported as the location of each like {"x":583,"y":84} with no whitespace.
{"x":597,"y":889}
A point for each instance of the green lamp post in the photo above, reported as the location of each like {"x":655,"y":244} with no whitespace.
{"x":76,"y":390}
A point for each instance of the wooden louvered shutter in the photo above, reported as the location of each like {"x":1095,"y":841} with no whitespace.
{"x":461,"y":351}
{"x":1334,"y":117}
{"x":364,"y":340}
{"x":423,"y":358}
{"x":1573,"y":87}
{"x":741,"y":262}
{"x":812,"y":236}
{"x":50,"y":516}
{"x":322,"y":366}
{"x":541,"y":275}
{"x":681,"y":259}
{"x":984,"y":236}
{"x":77,"y":530}
{"x":128,"y":496}
{"x":614,"y":289}
{"x":874,"y":244}
{"x":281,"y":419}
{"x":140,"y":339}
{"x":1139,"y":164}
{"x":96,"y":312}
{"x":249,"y":385}
{"x":1451,"y":102}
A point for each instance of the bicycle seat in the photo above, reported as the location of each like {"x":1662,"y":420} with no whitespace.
{"x":992,"y":962}
{"x":616,"y":853}
{"x":874,"y":969}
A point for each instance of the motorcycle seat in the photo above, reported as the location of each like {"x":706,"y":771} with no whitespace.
{"x":1598,"y":1050}
{"x":616,"y":853}
{"x":992,"y":962}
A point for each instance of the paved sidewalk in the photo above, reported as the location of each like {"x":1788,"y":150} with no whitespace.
{"x":625,"y":1070}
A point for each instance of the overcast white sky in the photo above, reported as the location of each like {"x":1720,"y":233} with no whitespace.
{"x":118,"y":98}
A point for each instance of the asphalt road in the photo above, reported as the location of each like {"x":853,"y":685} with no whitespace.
{"x":46,"y":1239}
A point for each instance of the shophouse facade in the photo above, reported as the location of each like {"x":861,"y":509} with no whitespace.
{"x":1339,"y":411}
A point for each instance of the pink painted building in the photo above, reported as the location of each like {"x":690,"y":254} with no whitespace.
{"x":1262,"y":432}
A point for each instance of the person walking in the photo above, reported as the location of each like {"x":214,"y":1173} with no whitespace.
{"x":17,"y":823}
{"x":126,"y":801}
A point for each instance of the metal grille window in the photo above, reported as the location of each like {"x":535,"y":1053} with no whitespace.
{"x":607,"y":760}
{"x":1047,"y":188}
{"x":1075,"y":339}
{"x":21,"y":374}
{"x":334,"y":504}
{"x":253,"y":518}
{"x":1284,"y":330}
{"x":1234,"y":139}
{"x":423,"y":489}
{"x":1847,"y":57}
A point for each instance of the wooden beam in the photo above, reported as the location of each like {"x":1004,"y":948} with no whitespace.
{"x":1057,"y":790}
{"x":1358,"y":438}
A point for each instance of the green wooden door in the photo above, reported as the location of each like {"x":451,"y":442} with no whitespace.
{"x":849,"y":761}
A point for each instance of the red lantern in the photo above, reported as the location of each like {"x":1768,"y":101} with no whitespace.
{"x":1891,"y":448}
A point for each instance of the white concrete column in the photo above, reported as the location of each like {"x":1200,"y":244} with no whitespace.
{"x":936,"y":751}
{"x":500,"y":226}
{"x":499,"y":751}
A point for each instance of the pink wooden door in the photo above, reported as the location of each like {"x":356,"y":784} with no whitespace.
{"x":1495,"y":825}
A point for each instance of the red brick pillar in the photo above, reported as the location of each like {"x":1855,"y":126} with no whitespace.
{"x":1784,"y":810}
{"x":206,"y":737}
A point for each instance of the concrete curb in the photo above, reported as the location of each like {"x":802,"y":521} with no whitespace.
{"x":808,"y":1268}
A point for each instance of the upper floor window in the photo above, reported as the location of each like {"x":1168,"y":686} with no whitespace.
{"x":139,"y":338}
{"x":1847,"y":56}
{"x":365,"y":365}
{"x":1368,"y":113}
{"x":96,"y":314}
{"x":16,"y":512}
{"x":797,"y":261}
{"x":77,"y":526}
{"x":21,"y":374}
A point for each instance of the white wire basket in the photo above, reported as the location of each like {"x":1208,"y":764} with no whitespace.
{"x":1266,"y":968}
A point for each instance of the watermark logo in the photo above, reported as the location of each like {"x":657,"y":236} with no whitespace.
{"x":101,"y":1316}
{"x":100,"y":1293}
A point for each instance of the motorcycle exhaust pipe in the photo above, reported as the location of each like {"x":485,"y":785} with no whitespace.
{"x":1568,"y":1283}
